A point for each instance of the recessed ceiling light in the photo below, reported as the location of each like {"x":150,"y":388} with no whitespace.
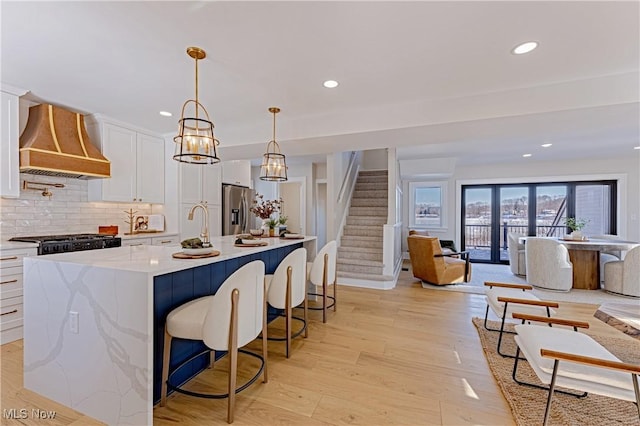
{"x":526,"y":155}
{"x":330,"y":84}
{"x":546,"y":145}
{"x":636,"y":147}
{"x":524,"y":47}
{"x":165,"y":113}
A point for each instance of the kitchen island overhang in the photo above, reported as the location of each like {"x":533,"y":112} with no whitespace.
{"x":94,"y":320}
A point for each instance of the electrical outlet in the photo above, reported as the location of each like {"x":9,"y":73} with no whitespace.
{"x":73,"y":322}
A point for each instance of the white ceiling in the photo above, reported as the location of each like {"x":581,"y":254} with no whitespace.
{"x":435,"y":79}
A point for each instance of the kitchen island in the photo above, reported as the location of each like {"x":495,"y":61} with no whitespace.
{"x":94,"y":320}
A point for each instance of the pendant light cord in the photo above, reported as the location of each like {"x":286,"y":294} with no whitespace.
{"x":197,"y":88}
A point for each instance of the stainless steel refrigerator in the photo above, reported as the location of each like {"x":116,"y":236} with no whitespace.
{"x":236,"y":201}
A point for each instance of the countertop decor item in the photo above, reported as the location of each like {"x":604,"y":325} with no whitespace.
{"x":182,"y":255}
{"x":108,"y":230}
{"x":131,"y":214}
{"x":274,"y":165}
{"x":195,"y":142}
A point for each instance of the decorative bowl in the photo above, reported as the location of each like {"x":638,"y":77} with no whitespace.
{"x":255,"y":232}
{"x":197,"y":251}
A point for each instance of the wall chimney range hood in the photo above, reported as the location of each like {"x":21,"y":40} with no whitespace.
{"x":55,"y":143}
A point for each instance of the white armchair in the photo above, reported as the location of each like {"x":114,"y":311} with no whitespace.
{"x":517,"y":260}
{"x":607,"y":255}
{"x":548,"y":265}
{"x":623,"y":276}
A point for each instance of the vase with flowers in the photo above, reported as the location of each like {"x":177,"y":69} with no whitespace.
{"x":263,"y":209}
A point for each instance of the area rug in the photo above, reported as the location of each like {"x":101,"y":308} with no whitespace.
{"x":528,"y":404}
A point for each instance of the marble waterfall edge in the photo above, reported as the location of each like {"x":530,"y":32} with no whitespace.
{"x":102,"y":369}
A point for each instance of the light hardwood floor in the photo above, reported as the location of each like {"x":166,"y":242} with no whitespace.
{"x":405,"y":356}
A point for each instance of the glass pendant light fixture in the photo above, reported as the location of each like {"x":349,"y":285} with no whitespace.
{"x":195,"y":142}
{"x":274,"y":166}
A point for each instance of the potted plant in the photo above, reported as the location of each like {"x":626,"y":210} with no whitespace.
{"x":576,"y":225}
{"x":272,"y":223}
{"x":282,"y":224}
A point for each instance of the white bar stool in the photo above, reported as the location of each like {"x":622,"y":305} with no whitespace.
{"x":226,"y":321}
{"x":322,"y":273}
{"x":286,"y":289}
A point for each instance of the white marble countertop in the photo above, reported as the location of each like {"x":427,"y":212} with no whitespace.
{"x":7,"y":245}
{"x":157,"y":260}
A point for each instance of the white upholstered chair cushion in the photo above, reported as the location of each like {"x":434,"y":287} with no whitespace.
{"x":548,"y":265}
{"x":623,"y":276}
{"x":498,"y":307}
{"x":207,"y":318}
{"x":601,"y":381}
{"x":316,"y":270}
{"x":277,"y":283}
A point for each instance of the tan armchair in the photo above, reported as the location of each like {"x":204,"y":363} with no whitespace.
{"x":432,"y":266}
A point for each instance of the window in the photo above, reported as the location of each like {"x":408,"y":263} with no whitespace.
{"x":491,"y":211}
{"x":427,"y":205}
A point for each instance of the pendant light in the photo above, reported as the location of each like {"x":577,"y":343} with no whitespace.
{"x":274,"y":166}
{"x":195,"y":142}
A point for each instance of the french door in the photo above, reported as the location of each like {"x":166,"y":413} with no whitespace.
{"x":490,"y":212}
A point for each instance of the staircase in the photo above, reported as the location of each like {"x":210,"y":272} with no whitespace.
{"x":360,"y":251}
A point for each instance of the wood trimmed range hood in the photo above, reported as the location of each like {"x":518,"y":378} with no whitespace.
{"x":55,"y":143}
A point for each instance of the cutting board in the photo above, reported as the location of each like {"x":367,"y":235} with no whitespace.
{"x":181,"y":255}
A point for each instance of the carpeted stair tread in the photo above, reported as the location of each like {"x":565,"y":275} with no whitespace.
{"x":366,"y":220}
{"x":360,"y":262}
{"x":361,"y":241}
{"x":370,"y":250}
{"x":372,"y":186}
{"x":363,"y":230}
{"x":358,"y":254}
{"x":378,"y":193}
{"x":369,"y":202}
{"x":368,"y":211}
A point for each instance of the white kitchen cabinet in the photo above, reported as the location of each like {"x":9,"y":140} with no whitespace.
{"x":136,"y":242}
{"x":149,"y":239}
{"x":166,"y":240}
{"x":200,"y":183}
{"x":137,"y":164}
{"x":192,"y":228}
{"x":236,"y":172}
{"x":9,"y":142}
{"x":11,"y":317}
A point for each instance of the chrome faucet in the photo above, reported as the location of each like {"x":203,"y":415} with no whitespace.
{"x":204,"y":234}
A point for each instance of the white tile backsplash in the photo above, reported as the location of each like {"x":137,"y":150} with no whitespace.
{"x":66,"y":212}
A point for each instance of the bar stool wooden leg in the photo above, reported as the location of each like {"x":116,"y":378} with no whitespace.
{"x":265,"y":377}
{"x":233,"y":355}
{"x":288,"y":312}
{"x":306,"y":321}
{"x":325,"y":277}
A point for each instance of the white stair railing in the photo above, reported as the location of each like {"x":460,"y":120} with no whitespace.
{"x":347,"y":177}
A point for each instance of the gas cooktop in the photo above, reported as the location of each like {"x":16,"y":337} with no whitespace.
{"x":49,"y":244}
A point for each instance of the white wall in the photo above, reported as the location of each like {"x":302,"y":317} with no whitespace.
{"x":304,"y":172}
{"x":531,"y":171}
{"x":374,"y":159}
